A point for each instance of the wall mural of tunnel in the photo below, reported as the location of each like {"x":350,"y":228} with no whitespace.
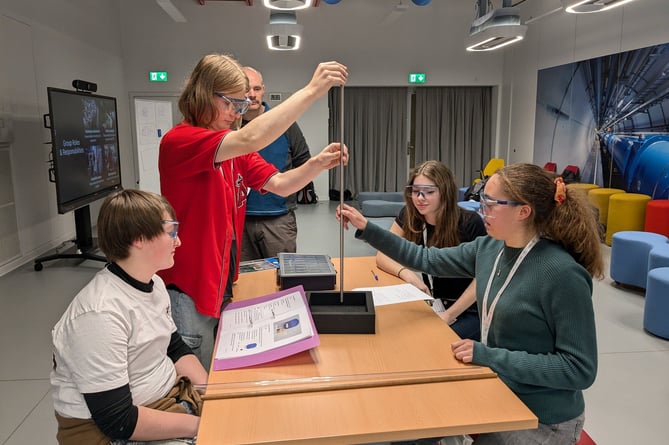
{"x":609,"y":117}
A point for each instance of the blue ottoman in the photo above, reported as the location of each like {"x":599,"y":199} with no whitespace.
{"x":629,"y":256}
{"x":658,"y":256}
{"x":656,"y":307}
{"x":377,"y":208}
{"x":461,"y":193}
{"x":384,"y":222}
{"x":381,"y":196}
{"x":470,"y":205}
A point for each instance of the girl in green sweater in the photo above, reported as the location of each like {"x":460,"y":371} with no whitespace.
{"x":534,"y":292}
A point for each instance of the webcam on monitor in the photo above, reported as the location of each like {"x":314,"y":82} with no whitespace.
{"x":84,"y":85}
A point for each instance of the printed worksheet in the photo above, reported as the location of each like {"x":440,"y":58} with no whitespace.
{"x":265,"y":325}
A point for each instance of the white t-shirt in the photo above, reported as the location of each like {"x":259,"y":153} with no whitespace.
{"x":110,"y":335}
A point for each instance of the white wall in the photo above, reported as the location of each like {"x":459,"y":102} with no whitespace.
{"x":53,"y":43}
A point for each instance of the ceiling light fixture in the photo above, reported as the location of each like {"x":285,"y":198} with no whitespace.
{"x":283,"y":33}
{"x":495,"y":29}
{"x":590,"y":6}
{"x":287,"y":5}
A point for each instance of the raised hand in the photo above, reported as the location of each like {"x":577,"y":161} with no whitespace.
{"x":329,"y":156}
{"x":327,"y":75}
{"x":351,"y":215}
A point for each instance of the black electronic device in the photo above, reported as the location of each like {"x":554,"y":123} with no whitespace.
{"x":85,"y":151}
{"x":313,"y":272}
{"x":85,"y":156}
{"x":84,"y":85}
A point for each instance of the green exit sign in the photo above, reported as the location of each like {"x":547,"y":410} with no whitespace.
{"x":157,"y":76}
{"x":417,"y":78}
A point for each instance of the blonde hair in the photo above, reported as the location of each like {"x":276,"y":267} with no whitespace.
{"x":213,"y":73}
{"x":573,"y":224}
{"x":127,"y":216}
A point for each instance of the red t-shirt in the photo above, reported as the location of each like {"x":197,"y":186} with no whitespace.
{"x":210,"y":203}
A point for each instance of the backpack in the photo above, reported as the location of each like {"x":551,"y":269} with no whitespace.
{"x":334,"y":195}
{"x":570,"y":174}
{"x":307,"y":195}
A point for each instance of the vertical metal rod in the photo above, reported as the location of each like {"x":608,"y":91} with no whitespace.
{"x":341,"y":194}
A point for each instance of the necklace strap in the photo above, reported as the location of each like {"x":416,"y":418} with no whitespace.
{"x":488,"y":313}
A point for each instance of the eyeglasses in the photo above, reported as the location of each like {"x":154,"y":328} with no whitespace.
{"x":175,"y":228}
{"x":426,"y":191}
{"x":489,"y":203}
{"x":241,"y":105}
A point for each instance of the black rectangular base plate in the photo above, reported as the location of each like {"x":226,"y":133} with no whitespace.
{"x":354,"y":315}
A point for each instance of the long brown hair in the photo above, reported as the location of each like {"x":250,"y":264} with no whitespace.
{"x":448,"y":216}
{"x":213,"y":73}
{"x":573,"y":223}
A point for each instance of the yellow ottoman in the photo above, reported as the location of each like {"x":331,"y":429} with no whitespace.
{"x":599,"y":197}
{"x":627,"y":211}
{"x":582,"y":186}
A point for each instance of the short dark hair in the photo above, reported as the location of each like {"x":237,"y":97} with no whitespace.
{"x":127,"y":216}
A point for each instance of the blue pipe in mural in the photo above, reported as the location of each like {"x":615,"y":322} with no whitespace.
{"x":643,"y":162}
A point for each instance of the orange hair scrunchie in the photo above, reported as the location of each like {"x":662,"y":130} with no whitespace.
{"x":560,"y":191}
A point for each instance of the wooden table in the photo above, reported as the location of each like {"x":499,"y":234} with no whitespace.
{"x":400,"y":383}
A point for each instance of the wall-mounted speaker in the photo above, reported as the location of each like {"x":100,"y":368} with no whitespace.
{"x":83,"y":85}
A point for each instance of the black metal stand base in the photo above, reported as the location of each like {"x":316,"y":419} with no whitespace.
{"x":85,"y":244}
{"x":354,"y":315}
{"x":73,"y":253}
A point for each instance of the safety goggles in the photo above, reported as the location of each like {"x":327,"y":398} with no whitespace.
{"x":241,"y":106}
{"x":487,"y":204}
{"x":175,"y":228}
{"x":426,"y":191}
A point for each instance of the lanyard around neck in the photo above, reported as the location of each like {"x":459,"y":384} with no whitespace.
{"x":429,"y":277}
{"x":487,"y":314}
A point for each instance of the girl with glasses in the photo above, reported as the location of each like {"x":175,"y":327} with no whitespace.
{"x":207,"y":164}
{"x":533,"y":275}
{"x":118,"y":359}
{"x":431,"y":217}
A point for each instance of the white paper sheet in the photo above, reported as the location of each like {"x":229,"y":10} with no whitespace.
{"x":398,"y":293}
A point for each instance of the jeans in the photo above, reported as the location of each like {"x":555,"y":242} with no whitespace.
{"x":565,"y":433}
{"x":198,"y":331}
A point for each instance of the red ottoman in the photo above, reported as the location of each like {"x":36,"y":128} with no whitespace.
{"x":657,"y":217}
{"x":585,"y":439}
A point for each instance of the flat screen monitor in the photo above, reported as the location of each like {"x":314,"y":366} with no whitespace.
{"x":85,"y":151}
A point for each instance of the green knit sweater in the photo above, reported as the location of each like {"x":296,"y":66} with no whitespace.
{"x":542,"y":340}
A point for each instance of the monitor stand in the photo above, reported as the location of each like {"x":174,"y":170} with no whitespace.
{"x":85,"y":244}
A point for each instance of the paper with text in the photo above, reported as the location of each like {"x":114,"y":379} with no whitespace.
{"x":264,"y":329}
{"x":398,"y":293}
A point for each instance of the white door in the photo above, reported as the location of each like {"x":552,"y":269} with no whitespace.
{"x":153,"y":118}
